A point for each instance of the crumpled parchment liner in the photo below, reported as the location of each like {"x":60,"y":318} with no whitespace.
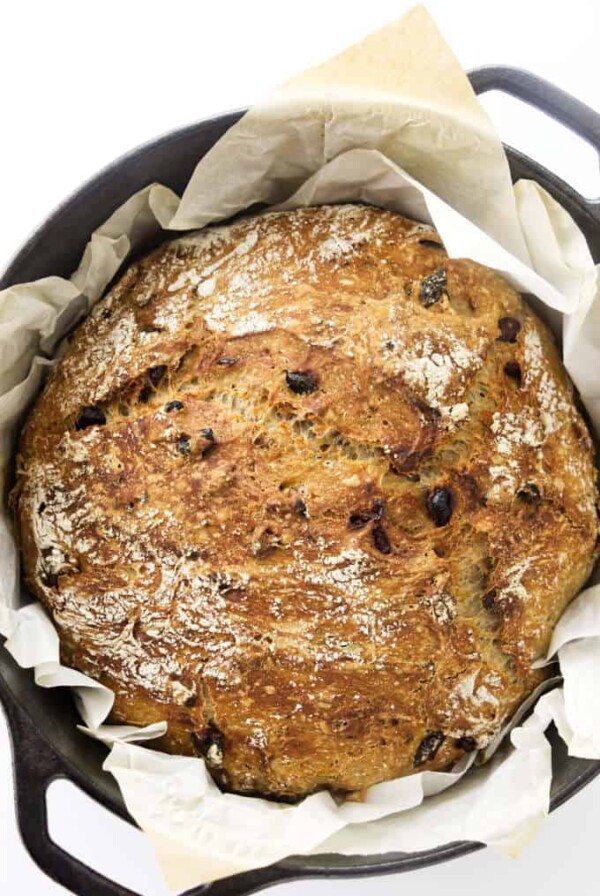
{"x":351,"y":129}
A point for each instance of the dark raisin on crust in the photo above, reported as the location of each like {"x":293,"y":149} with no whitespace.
{"x":512,"y":369}
{"x":155,"y":374}
{"x":300,"y":507}
{"x":184,"y":445}
{"x":226,"y":361}
{"x":467,"y":743}
{"x":489,"y":600}
{"x":210,"y":743}
{"x":428,"y":747}
{"x":509,"y":329}
{"x":530,"y":493}
{"x":173,"y":406}
{"x":360,"y":518}
{"x":90,"y":415}
{"x":381,"y":539}
{"x":432,"y":288}
{"x":440,"y":504}
{"x":378,"y":508}
{"x":302,"y":382}
{"x":209,"y":436}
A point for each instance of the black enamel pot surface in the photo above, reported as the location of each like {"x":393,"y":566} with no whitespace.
{"x":46,"y":743}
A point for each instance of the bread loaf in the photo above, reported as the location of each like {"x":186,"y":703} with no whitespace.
{"x":313,"y":493}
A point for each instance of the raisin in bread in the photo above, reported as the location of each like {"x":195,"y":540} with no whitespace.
{"x":313,"y":493}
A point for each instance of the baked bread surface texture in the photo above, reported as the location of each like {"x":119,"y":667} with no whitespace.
{"x":313,"y":493}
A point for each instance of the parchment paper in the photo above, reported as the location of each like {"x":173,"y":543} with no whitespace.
{"x":392,"y":121}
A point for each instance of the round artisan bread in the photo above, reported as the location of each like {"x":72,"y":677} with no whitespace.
{"x":313,"y":493}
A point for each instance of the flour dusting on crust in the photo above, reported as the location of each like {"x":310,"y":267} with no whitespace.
{"x":295,"y":489}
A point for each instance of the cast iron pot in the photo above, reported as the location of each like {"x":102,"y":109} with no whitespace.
{"x":46,"y":743}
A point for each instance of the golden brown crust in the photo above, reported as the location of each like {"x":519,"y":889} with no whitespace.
{"x":313,"y":493}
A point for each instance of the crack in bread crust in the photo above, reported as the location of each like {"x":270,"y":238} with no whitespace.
{"x":317,"y":515}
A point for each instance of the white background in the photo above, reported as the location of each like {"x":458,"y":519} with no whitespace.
{"x":81,"y":83}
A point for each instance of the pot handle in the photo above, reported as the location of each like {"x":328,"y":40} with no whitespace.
{"x":35,"y":766}
{"x":546,"y":97}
